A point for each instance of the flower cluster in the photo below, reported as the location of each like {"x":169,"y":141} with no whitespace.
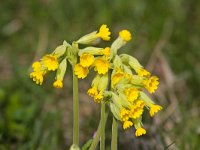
{"x":57,"y":60}
{"x":120,"y":80}
{"x":125,"y":92}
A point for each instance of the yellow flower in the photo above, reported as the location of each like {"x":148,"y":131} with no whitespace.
{"x":92,"y":91}
{"x":37,"y":77}
{"x":81,"y":71}
{"x":36,"y":66}
{"x":140,"y":103}
{"x":58,"y":84}
{"x":151,"y":84}
{"x":86,"y":60}
{"x":137,"y":109}
{"x":127,"y":76}
{"x":117,"y":77}
{"x":154,"y":109}
{"x":99,"y":97}
{"x":127,"y":124}
{"x":124,"y":114}
{"x":101,"y":65}
{"x":50,"y":62}
{"x":140,"y":131}
{"x":132,"y":94}
{"x":106,"y":52}
{"x":125,"y":35}
{"x":104,"y":33}
{"x":143,"y":73}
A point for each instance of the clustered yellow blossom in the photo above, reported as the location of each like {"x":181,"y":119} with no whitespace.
{"x":120,"y":80}
{"x":128,"y":77}
{"x":48,"y":63}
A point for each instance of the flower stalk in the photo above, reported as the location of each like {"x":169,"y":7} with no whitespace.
{"x":98,"y":133}
{"x":102,"y":141}
{"x":75,"y":111}
{"x":114,"y":134}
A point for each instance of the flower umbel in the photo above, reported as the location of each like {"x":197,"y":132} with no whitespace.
{"x":119,"y":80}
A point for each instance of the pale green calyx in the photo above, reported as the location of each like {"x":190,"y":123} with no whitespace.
{"x":61,"y":70}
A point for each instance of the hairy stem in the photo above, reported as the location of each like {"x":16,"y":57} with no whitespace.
{"x":75,"y":111}
{"x":98,"y":134}
{"x":102,"y":141}
{"x":114,"y":134}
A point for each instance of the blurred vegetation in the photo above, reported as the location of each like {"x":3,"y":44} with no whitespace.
{"x":166,"y":39}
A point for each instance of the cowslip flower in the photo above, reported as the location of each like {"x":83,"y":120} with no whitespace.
{"x":140,"y":131}
{"x":36,"y":66}
{"x":143,"y":72}
{"x":127,"y":124}
{"x":92,"y":91}
{"x":86,"y":60}
{"x":117,"y":77}
{"x":80,"y":71}
{"x":50,"y":62}
{"x":58,"y":84}
{"x":104,"y":33}
{"x":101,"y":65}
{"x":132,"y":94}
{"x":125,"y":35}
{"x":154,"y":109}
{"x":151,"y":84}
{"x":106,"y":52}
{"x":37,"y":76}
{"x":99,"y":97}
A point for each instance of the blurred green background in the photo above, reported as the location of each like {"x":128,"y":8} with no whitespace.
{"x":166,"y":39}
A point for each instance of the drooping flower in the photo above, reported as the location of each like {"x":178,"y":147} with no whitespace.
{"x":125,"y":35}
{"x":101,"y":65}
{"x":36,"y":66}
{"x":99,"y":97}
{"x":50,"y":62}
{"x":127,"y":124}
{"x":37,"y":77}
{"x":117,"y":77}
{"x":106,"y":52}
{"x":143,"y":72}
{"x":140,"y":131}
{"x":58,"y":84}
{"x":132,"y":94}
{"x":80,"y":71}
{"x":151,"y":84}
{"x":154,"y":109}
{"x":124,"y":114}
{"x":86,"y":60}
{"x":104,"y":33}
{"x":92,"y":91}
{"x":137,"y":109}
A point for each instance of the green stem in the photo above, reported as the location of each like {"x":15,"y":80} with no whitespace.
{"x":114,"y":134}
{"x":96,"y":139}
{"x":102,"y":141}
{"x":75,"y":111}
